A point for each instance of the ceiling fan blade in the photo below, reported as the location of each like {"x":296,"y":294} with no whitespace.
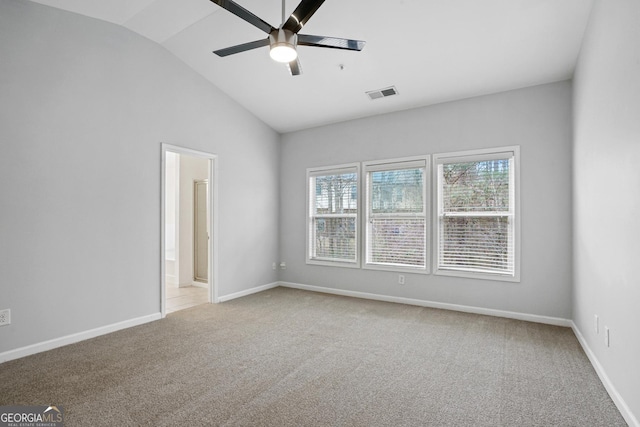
{"x":301,"y":15}
{"x":330,"y":42}
{"x":244,"y":14}
{"x":294,"y":67}
{"x":242,"y":47}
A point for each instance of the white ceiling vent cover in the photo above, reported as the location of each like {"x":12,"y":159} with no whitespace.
{"x":382,"y":93}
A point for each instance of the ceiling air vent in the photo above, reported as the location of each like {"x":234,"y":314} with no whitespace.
{"x":382,"y":93}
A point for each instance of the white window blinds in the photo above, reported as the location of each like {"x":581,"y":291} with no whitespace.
{"x":333,"y":215}
{"x":396,"y":214}
{"x":476,"y":213}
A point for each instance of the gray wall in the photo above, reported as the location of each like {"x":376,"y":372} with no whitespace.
{"x":537,"y":118}
{"x":84,"y":106}
{"x":607,"y":192}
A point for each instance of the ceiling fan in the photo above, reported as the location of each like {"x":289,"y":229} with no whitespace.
{"x":284,"y":40}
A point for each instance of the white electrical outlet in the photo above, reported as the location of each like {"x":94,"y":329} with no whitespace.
{"x":283,"y":265}
{"x":597,"y":324}
{"x":401,"y":279}
{"x":5,"y":317}
{"x":273,"y":266}
{"x":606,"y":336}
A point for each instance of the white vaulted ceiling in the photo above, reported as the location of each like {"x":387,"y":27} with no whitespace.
{"x":431,"y":50}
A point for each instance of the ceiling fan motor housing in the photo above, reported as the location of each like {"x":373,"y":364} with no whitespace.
{"x":283,"y":45}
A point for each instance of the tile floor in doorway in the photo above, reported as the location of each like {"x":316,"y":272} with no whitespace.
{"x":188,"y":296}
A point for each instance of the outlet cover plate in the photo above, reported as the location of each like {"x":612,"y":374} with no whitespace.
{"x":5,"y":317}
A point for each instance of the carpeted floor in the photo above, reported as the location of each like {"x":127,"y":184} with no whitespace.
{"x":287,"y":357}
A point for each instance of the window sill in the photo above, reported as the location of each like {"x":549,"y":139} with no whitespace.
{"x":342,"y":264}
{"x":477,"y":275}
{"x":396,"y":269}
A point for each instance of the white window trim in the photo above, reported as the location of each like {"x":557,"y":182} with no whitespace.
{"x":471,"y":156}
{"x":328,"y":170}
{"x":379,"y":165}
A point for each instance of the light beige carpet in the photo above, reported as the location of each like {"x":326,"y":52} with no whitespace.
{"x":287,"y":357}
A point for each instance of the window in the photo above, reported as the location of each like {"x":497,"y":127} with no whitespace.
{"x":396,"y":195}
{"x":478,"y":214}
{"x":332,"y":220}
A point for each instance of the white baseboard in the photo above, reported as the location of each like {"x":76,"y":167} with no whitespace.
{"x":204,"y":285}
{"x":170,"y":280}
{"x":248,"y":292}
{"x":615,"y":396}
{"x":74,"y":338}
{"x":557,"y":321}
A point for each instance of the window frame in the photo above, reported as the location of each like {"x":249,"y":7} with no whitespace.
{"x":471,"y":156}
{"x":310,"y":198}
{"x":395,"y":164}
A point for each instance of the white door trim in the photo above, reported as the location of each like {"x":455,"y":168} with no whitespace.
{"x":213,"y":220}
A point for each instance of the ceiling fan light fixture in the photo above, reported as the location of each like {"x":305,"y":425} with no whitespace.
{"x":283,"y":45}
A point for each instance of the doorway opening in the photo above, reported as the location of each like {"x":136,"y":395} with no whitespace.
{"x":188,"y":229}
